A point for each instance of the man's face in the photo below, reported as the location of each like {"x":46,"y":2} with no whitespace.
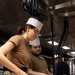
{"x":36,"y":50}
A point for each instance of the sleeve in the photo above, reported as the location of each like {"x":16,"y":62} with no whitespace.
{"x":15,"y":39}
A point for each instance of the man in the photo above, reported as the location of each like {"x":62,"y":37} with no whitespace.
{"x":61,"y":67}
{"x":38,"y":65}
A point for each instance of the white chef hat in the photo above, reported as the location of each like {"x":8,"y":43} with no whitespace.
{"x":34,"y":22}
{"x":35,"y":42}
{"x":56,"y":55}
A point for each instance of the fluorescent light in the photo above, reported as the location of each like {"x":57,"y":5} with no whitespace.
{"x":65,"y":47}
{"x":73,"y":52}
{"x":55,"y":43}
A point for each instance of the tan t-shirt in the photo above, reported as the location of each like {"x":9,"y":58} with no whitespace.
{"x":20,"y":54}
{"x":38,"y":64}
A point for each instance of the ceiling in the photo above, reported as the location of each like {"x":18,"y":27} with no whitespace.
{"x":12,"y":15}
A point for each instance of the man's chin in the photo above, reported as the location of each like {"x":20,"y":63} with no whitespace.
{"x":36,"y":54}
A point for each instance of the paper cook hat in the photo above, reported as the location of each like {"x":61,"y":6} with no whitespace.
{"x":35,"y":42}
{"x":34,"y":22}
{"x":56,"y":55}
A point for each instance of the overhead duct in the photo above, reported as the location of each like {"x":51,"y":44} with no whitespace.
{"x":67,"y":13}
{"x":65,"y":4}
{"x":62,"y":5}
